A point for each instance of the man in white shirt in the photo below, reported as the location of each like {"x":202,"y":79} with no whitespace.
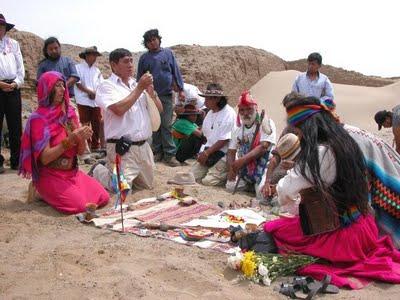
{"x":126,"y":115}
{"x":313,"y":82}
{"x":12,"y":73}
{"x":210,"y":168}
{"x":246,"y":160}
{"x":85,"y":93}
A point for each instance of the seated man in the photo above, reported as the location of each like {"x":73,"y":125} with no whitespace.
{"x":210,"y":168}
{"x":192,"y":97}
{"x":247,"y":160}
{"x":389,"y":119}
{"x":126,"y":114}
{"x":187,"y":136}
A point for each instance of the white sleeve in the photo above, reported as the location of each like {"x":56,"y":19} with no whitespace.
{"x":290,"y":185}
{"x":106,"y":95}
{"x":271,"y":138}
{"x":20,"y":66}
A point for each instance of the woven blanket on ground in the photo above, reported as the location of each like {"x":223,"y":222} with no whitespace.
{"x":169,"y":212}
{"x":383,"y":164}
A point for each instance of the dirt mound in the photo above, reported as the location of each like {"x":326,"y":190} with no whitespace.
{"x":339,"y":75}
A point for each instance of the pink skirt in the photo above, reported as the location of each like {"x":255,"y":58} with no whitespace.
{"x":69,"y":191}
{"x":354,"y":254}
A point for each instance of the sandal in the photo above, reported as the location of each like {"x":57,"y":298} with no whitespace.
{"x":290,"y":290}
{"x":324,"y":286}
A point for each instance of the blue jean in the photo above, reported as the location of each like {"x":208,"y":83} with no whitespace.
{"x":162,"y":139}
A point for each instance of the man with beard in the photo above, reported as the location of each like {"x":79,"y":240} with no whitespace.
{"x":245,"y":160}
{"x":53,"y":61}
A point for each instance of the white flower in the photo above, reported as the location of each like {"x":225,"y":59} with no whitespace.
{"x":235,"y":261}
{"x":275,"y":259}
{"x":262,"y":270}
{"x":266,"y":281}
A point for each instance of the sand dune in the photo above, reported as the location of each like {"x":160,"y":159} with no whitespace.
{"x":356,"y":105}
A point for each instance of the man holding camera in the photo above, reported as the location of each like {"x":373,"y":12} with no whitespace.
{"x":127,"y":124}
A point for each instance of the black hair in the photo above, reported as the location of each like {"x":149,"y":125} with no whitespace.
{"x":350,"y":186}
{"x":149,"y":34}
{"x":117,"y":54}
{"x":315,"y":56}
{"x":223,"y":100}
{"x":47,"y":42}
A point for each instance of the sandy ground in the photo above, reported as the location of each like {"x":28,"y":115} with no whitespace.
{"x":46,"y":255}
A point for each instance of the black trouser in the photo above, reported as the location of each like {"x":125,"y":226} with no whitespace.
{"x":10,"y":106}
{"x":189,"y":147}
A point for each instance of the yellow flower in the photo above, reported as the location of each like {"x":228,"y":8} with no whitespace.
{"x":249,"y":265}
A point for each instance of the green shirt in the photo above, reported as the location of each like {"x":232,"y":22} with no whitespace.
{"x":183,"y":126}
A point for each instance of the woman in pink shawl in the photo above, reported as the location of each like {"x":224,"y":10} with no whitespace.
{"x":50,"y":144}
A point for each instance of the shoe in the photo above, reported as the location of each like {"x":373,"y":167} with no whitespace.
{"x":2,"y":170}
{"x":172,"y":162}
{"x":158,"y":157}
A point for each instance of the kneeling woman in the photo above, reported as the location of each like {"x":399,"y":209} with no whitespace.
{"x":50,"y":144}
{"x":335,"y":223}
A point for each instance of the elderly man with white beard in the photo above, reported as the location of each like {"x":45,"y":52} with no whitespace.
{"x":246,"y":161}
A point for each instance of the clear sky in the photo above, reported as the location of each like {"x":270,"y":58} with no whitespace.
{"x":352,"y":34}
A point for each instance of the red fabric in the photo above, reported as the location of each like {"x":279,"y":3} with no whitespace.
{"x":246,"y":99}
{"x":43,"y":124}
{"x":355,"y":253}
{"x":70,"y":191}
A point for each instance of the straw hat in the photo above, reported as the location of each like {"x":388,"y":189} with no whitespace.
{"x":288,"y":146}
{"x":190,"y":110}
{"x":183,"y":178}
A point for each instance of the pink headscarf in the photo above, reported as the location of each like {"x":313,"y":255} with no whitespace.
{"x":47,"y":121}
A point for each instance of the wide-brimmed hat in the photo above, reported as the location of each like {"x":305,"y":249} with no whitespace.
{"x":4,"y":22}
{"x":190,"y":109}
{"x":183,"y":178}
{"x":89,"y":50}
{"x":212,"y":92}
{"x":380,"y":118}
{"x":288,"y":146}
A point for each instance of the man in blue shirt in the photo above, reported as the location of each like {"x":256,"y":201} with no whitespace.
{"x":313,"y":83}
{"x":53,"y":61}
{"x":161,"y":63}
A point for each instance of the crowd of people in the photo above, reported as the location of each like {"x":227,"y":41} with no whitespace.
{"x":341,"y":183}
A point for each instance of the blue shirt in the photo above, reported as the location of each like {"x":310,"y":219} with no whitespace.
{"x":164,"y":68}
{"x":64,"y":65}
{"x":321,"y":87}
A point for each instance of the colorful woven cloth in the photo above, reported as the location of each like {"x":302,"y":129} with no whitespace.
{"x":383,"y":164}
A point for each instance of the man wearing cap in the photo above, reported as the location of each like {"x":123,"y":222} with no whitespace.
{"x":245,"y":160}
{"x":161,"y":63}
{"x":389,"y":119}
{"x":54,"y":61}
{"x":127,"y":124}
{"x":210,"y":168}
{"x":313,"y":82}
{"x":12,"y":73}
{"x":187,"y":136}
{"x":85,"y":94}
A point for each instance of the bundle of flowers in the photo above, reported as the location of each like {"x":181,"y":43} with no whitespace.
{"x":266,"y":267}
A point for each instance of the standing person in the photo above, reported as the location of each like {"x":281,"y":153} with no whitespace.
{"x":313,"y":82}
{"x":12,"y":73}
{"x":51,"y":142}
{"x":85,"y":94}
{"x":161,"y":63}
{"x":127,"y":124}
{"x":210,"y":168}
{"x":54,"y":61}
{"x":246,"y":160}
{"x":389,"y":119}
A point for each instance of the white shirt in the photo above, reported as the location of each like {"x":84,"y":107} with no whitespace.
{"x":135,"y":123}
{"x":218,"y":126}
{"x":90,"y":77}
{"x":289,"y":186}
{"x":11,"y":62}
{"x":191,"y":96}
{"x":243,"y":133}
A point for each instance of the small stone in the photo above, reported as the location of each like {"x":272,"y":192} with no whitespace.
{"x":100,"y":251}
